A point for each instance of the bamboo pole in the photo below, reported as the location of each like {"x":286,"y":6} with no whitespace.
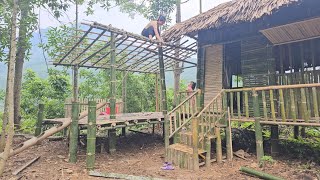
{"x":218,"y":145}
{"x":164,"y":100}
{"x":282,"y":108}
{"x":273,"y":113}
{"x":157,"y":94}
{"x":208,"y":150}
{"x":258,"y":128}
{"x":238,"y":105}
{"x":112,"y":133}
{"x":315,"y":104}
{"x":293,"y":106}
{"x":39,"y":120}
{"x":264,"y":102}
{"x":246,"y":102}
{"x":74,"y":133}
{"x":229,"y":138}
{"x":124,"y":98}
{"x":259,"y":174}
{"x":231,"y":104}
{"x":274,"y":140}
{"x":195,"y":143}
{"x":304,"y":105}
{"x":91,"y":135}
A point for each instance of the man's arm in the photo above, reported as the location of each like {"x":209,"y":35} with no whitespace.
{"x":154,"y":25}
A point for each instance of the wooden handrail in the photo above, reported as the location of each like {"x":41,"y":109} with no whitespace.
{"x":295,"y":86}
{"x":183,"y":102}
{"x":210,"y":103}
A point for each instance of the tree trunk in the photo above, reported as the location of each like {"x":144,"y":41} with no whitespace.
{"x":9,"y":93}
{"x":21,"y":53}
{"x":177,"y":68}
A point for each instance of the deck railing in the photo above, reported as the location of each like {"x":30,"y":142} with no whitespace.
{"x":181,"y":115}
{"x":286,"y":104}
{"x":84,"y":105}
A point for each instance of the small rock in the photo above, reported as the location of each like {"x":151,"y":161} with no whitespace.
{"x":61,"y":157}
{"x":254,"y":165}
{"x":69,"y":171}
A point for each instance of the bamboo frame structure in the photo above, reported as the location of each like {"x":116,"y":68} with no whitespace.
{"x":134,"y":53}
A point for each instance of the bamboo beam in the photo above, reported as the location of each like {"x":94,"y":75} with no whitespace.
{"x":91,"y":135}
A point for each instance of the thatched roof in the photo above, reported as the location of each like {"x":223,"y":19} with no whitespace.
{"x":232,"y":12}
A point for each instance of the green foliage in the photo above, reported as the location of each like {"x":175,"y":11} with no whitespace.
{"x":302,"y":148}
{"x":51,"y":91}
{"x":2,"y":95}
{"x":266,"y":160}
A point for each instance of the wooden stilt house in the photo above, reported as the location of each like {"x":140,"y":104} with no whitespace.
{"x":260,"y":58}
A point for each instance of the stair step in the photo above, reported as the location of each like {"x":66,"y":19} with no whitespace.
{"x":181,"y":155}
{"x":184,"y":148}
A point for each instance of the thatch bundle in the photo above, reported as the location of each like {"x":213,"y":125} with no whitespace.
{"x":232,"y":12}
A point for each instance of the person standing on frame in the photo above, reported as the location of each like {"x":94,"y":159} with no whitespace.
{"x":152,"y":29}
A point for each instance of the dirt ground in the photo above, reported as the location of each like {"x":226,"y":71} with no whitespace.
{"x":140,"y":155}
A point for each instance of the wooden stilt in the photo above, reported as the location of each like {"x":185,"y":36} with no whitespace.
{"x":91,"y":135}
{"x":195,"y":143}
{"x":258,"y":128}
{"x":164,"y":100}
{"x":218,"y":145}
{"x":39,"y":120}
{"x":73,"y":145}
{"x":112,"y":133}
{"x":208,"y":150}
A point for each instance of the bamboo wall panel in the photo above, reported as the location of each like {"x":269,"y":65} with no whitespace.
{"x":213,"y":72}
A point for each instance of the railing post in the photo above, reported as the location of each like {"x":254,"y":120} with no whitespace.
{"x":91,"y":135}
{"x":74,"y":133}
{"x":258,"y":128}
{"x":195,"y":143}
{"x":39,"y":120}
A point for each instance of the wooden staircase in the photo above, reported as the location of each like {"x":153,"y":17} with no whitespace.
{"x":192,"y":133}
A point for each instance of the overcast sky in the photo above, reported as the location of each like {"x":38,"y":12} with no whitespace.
{"x":122,"y":20}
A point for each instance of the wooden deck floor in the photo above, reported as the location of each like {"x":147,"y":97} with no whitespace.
{"x":122,"y":120}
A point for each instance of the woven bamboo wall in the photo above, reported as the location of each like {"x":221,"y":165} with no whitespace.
{"x":213,"y":72}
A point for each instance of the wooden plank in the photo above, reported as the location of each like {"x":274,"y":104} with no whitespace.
{"x":17,"y":171}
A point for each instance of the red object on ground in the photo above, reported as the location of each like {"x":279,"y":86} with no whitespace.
{"x":108,"y":109}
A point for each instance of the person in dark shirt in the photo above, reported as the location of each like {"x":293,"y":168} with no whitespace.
{"x":152,"y":29}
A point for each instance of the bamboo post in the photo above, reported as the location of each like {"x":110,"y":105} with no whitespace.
{"x":218,"y":145}
{"x":195,"y":143}
{"x":91,"y":135}
{"x":164,"y":101}
{"x":239,"y":105}
{"x":304,"y":105}
{"x":208,"y":150}
{"x":229,"y":138}
{"x":264,"y":102}
{"x":124,"y":98}
{"x":246,"y":102}
{"x":112,"y":133}
{"x":282,"y":108}
{"x":315,"y":104}
{"x":258,"y":128}
{"x":75,"y":83}
{"x":157,"y":94}
{"x":273,"y":113}
{"x":231,"y":104}
{"x":74,"y":133}
{"x":39,"y":120}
